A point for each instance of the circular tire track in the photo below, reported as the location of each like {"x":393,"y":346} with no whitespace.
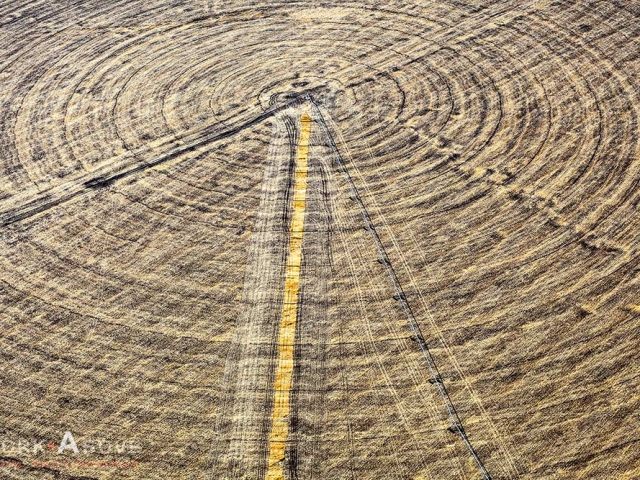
{"x":496,"y":148}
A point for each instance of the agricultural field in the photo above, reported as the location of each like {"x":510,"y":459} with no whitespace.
{"x":319,"y":240}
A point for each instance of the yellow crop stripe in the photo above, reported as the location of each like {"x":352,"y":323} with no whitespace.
{"x":286,"y":337}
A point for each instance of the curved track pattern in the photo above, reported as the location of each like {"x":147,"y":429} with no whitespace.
{"x":147,"y":161}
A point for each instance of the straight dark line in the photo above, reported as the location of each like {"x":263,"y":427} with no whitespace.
{"x":436,"y":378}
{"x":47,"y":202}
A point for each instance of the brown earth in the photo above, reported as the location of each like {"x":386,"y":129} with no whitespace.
{"x":477,"y":160}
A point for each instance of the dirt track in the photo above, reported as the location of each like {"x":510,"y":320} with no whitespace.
{"x":478,"y":161}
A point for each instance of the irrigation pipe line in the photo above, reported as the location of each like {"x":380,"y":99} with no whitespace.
{"x":436,"y":378}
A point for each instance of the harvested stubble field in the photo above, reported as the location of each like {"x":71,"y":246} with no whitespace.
{"x":411,"y":226}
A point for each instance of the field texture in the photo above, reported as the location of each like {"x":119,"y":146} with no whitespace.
{"x":319,"y":240}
